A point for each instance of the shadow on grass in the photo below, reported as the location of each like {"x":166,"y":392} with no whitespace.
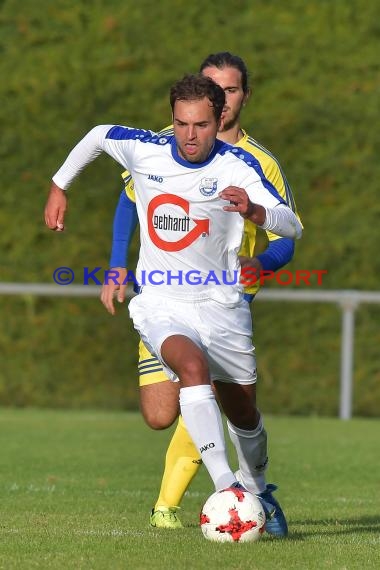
{"x":327,"y":527}
{"x":334,"y":526}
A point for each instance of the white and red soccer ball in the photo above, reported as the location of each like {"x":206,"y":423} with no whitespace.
{"x":232,"y":515}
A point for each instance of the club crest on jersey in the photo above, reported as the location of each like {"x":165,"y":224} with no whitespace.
{"x":208,"y":186}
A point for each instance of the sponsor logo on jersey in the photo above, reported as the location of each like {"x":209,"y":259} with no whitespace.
{"x":155,"y":178}
{"x":174,"y":223}
{"x":208,"y":186}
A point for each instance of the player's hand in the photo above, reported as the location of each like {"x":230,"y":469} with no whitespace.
{"x":114,"y":287}
{"x":55,"y":209}
{"x":250,"y":262}
{"x":240,"y":202}
{"x":250,"y":270}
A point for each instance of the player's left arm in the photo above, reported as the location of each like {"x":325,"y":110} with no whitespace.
{"x":275,"y":210}
{"x":276,"y":216}
{"x":280,"y":251}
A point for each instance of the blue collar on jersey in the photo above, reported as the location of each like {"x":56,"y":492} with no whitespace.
{"x":216,"y":149}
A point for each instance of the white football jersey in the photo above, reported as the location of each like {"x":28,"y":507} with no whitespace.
{"x":189,"y":244}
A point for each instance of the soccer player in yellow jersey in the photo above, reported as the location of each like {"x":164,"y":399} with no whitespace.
{"x":158,"y":408}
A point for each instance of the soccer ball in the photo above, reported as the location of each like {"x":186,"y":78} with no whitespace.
{"x":232,"y":515}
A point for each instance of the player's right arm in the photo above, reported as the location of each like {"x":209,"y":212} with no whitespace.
{"x":100,"y":139}
{"x":55,"y":208}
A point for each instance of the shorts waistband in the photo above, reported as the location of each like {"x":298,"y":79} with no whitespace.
{"x":176,"y":295}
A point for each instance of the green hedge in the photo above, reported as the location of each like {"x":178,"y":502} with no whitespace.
{"x":66,"y":66}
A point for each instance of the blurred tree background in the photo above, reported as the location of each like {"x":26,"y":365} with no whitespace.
{"x":69,"y":65}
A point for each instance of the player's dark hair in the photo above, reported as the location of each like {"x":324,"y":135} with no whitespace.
{"x":195,"y":87}
{"x":224,"y":59}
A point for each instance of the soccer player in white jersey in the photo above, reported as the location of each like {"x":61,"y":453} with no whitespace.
{"x":182,"y":459}
{"x":192,"y":193}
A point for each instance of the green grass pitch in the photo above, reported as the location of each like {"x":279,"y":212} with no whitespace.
{"x":76,"y":489}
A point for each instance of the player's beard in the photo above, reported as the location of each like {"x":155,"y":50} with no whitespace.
{"x":230,"y":122}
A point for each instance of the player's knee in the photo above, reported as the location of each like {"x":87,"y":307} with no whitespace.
{"x":247,"y":417}
{"x":193,"y":370}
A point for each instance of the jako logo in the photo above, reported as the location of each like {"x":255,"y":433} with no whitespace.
{"x":155,"y":178}
{"x":207,"y":446}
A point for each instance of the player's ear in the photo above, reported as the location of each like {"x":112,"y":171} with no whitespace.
{"x":247,"y":95}
{"x":221,"y":124}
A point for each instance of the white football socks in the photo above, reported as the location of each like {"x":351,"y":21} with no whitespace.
{"x":203,"y":420}
{"x":251,"y":449}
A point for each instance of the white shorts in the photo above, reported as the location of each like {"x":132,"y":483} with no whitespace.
{"x":224,"y":334}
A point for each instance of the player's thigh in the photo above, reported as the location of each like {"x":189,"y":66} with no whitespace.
{"x":238,"y":403}
{"x":230,"y":352}
{"x":186,"y":359}
{"x":159,"y":321}
{"x":160,"y":403}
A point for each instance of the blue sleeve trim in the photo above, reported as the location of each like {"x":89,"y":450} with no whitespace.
{"x":124,"y":133}
{"x":124,"y":225}
{"x":249,"y":297}
{"x":278,"y":253}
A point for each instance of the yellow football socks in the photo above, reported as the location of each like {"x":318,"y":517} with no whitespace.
{"x":181,"y":464}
